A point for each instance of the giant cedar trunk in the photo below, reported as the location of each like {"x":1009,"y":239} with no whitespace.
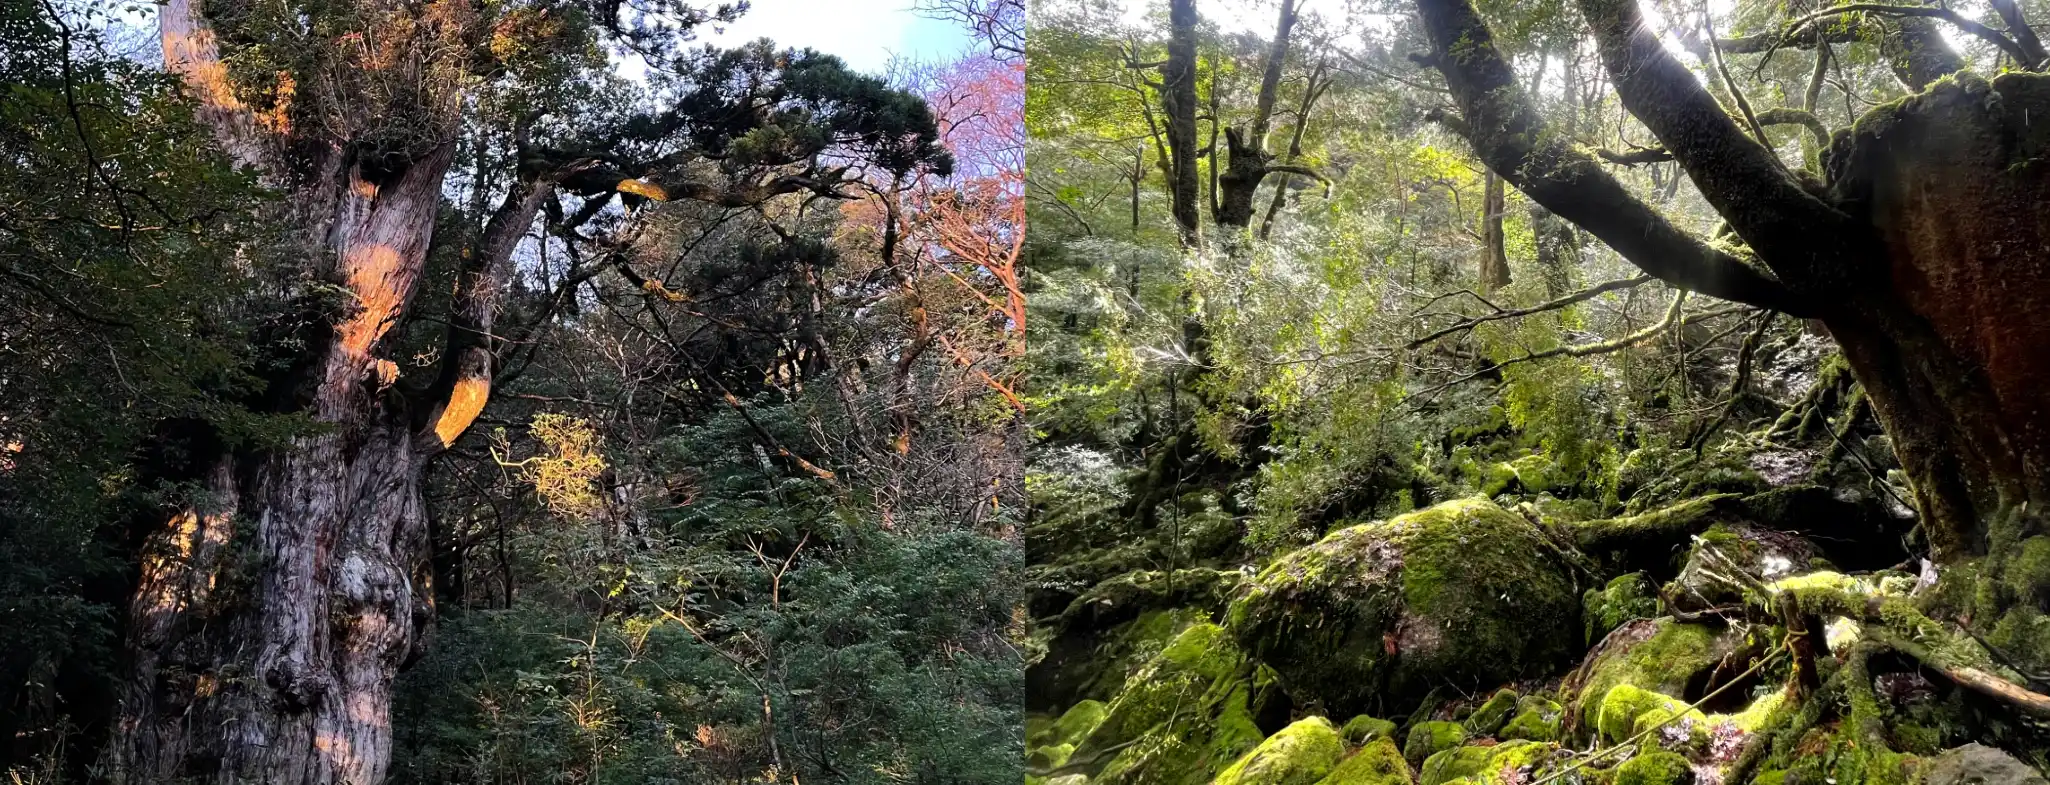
{"x":1950,"y":330}
{"x":270,"y":622}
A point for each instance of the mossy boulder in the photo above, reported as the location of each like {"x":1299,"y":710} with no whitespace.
{"x":1977,"y":763}
{"x":1452,"y":764}
{"x":1489,"y":716}
{"x":1183,"y":716}
{"x":1627,"y":711}
{"x":1626,"y":598}
{"x":1377,"y":763}
{"x":1537,"y":719}
{"x":1362,"y":730}
{"x":1508,"y":763}
{"x":1300,"y":754}
{"x":1657,"y":767}
{"x":1662,"y":656}
{"x":1464,"y":593}
{"x":1430,"y":738}
{"x":1081,"y":665}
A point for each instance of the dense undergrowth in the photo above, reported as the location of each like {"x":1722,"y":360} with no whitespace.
{"x":1331,"y":499}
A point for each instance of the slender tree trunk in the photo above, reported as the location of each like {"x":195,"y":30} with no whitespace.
{"x":1494,"y":257}
{"x":1178,"y":104}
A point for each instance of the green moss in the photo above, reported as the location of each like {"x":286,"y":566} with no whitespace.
{"x":1300,"y":754}
{"x":1378,"y":763}
{"x":1431,"y":737}
{"x":1502,"y":764}
{"x":1076,"y":723}
{"x":1656,"y":767}
{"x":1627,"y":597}
{"x":1822,"y":757}
{"x":1627,"y":711}
{"x":1537,"y":719}
{"x":1182,"y":716}
{"x":1462,"y":592}
{"x":1362,"y":730}
{"x":1537,"y":473}
{"x":1667,"y":656}
{"x":1489,"y":717}
{"x":1452,"y":764}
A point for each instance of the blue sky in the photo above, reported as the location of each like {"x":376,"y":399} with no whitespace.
{"x":865,"y":33}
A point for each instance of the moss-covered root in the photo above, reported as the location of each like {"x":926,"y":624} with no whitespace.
{"x":1430,"y":738}
{"x":1300,"y":754}
{"x":1377,"y":763}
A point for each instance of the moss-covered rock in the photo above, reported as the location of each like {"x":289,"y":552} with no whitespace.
{"x":1627,"y":711}
{"x":1183,"y":716}
{"x":1537,"y":719}
{"x":1430,"y":738}
{"x":1300,"y":754}
{"x":1362,"y":730}
{"x":1626,"y":598}
{"x":1377,"y":763}
{"x":1082,"y":665}
{"x":1656,"y":655}
{"x":1508,"y":763}
{"x":1462,"y":593}
{"x":1490,"y":716}
{"x":1976,"y":763}
{"x":1452,"y":764}
{"x":1657,"y":767}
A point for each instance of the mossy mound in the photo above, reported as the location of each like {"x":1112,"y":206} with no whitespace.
{"x":1627,"y":711}
{"x":1078,"y":666}
{"x":1656,"y":655}
{"x":1624,"y":599}
{"x":1377,"y":763}
{"x":1508,"y":763}
{"x":1300,"y":754}
{"x":1491,"y":715}
{"x":1537,"y":719}
{"x":1430,"y":738}
{"x":1656,"y":767}
{"x":1183,"y":716}
{"x":1363,"y":730}
{"x":1463,"y":593}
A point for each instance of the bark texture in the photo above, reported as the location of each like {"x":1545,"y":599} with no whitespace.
{"x":271,"y":618}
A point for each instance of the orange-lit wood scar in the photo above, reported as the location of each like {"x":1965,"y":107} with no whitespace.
{"x":465,"y":402}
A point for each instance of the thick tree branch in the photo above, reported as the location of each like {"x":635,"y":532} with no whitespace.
{"x":1512,"y":138}
{"x":1800,"y":236}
